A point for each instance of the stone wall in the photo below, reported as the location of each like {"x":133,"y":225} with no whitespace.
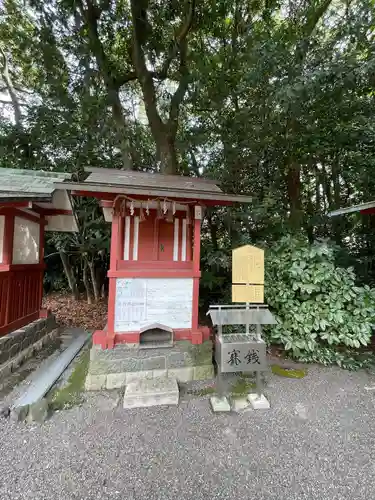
{"x":113,"y":368}
{"x":20,"y":344}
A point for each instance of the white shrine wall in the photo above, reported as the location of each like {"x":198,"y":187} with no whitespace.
{"x":141,"y":302}
{"x":26,"y":241}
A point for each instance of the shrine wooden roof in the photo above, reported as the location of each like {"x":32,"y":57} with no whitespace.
{"x":144,"y":184}
{"x":35,"y":192}
{"x":31,"y":185}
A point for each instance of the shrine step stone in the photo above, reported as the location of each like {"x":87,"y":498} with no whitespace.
{"x":151,"y":392}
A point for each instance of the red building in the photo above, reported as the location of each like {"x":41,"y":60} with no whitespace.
{"x":155,"y":252}
{"x":29,"y":206}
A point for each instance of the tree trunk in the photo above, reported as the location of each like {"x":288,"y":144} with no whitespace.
{"x":68,"y":270}
{"x":86,"y":282}
{"x":318,"y":206}
{"x":166,"y":152}
{"x":94,"y":281}
{"x":336,"y":221}
{"x":294,"y":194}
{"x":295,"y":70}
{"x":122,"y":130}
{"x":101,"y":275}
{"x":164,"y":133}
{"x":10,"y":89}
{"x":308,"y":220}
{"x":213,"y":231}
{"x":91,"y":15}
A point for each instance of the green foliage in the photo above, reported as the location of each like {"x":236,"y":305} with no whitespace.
{"x":71,"y":394}
{"x":322,"y":315}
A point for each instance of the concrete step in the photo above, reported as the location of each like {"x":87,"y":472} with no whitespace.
{"x":158,"y":391}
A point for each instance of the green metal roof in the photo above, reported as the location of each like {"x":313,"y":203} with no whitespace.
{"x":33,"y":185}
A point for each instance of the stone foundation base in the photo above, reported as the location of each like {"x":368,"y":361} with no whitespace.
{"x":158,"y":392}
{"x":117,"y":367}
{"x":21,"y":344}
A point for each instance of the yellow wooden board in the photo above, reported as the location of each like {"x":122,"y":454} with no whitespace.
{"x":248,"y":265}
{"x":248,"y":293}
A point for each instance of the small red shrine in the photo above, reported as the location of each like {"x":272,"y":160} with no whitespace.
{"x":155,"y":252}
{"x":29,"y":205}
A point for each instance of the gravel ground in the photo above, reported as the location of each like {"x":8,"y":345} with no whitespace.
{"x":316,"y":442}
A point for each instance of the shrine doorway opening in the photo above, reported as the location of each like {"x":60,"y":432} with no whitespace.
{"x":156,"y":335}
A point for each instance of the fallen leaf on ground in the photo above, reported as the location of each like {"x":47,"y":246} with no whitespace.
{"x":78,"y":313}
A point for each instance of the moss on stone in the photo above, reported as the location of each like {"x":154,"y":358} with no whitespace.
{"x":71,"y":394}
{"x":201,"y":354}
{"x":241,"y":387}
{"x":203,"y":372}
{"x":206,"y":391}
{"x":288,"y":372}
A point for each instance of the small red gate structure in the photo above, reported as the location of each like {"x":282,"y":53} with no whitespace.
{"x":29,"y":206}
{"x":155,"y":252}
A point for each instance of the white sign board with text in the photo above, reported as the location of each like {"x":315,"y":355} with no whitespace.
{"x":143,"y":301}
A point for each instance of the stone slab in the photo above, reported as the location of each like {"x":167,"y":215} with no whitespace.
{"x":258,"y":403}
{"x":47,"y":374}
{"x":177,"y":360}
{"x":151,"y":392}
{"x":154,"y":363}
{"x":181,"y":374}
{"x":219,"y":404}
{"x":19,"y":414}
{"x":204,"y":372}
{"x":21,"y":344}
{"x":38,"y":411}
{"x":133,"y":376}
{"x":95,"y":382}
{"x":115,"y":380}
{"x":9,"y":366}
{"x":239,"y":404}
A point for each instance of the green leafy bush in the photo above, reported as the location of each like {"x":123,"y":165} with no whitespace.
{"x":322,"y":315}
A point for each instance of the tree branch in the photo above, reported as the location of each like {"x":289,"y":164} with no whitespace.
{"x":91,"y":15}
{"x":139,"y":18}
{"x":308,"y":30}
{"x":178,"y":96}
{"x":9,"y":86}
{"x":2,"y":101}
{"x":125,"y":78}
{"x":178,"y":40}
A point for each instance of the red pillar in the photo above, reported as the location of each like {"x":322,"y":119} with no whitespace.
{"x":115,"y":256}
{"x":8,"y":239}
{"x":8,"y":258}
{"x":42,"y":228}
{"x":196,"y":334}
